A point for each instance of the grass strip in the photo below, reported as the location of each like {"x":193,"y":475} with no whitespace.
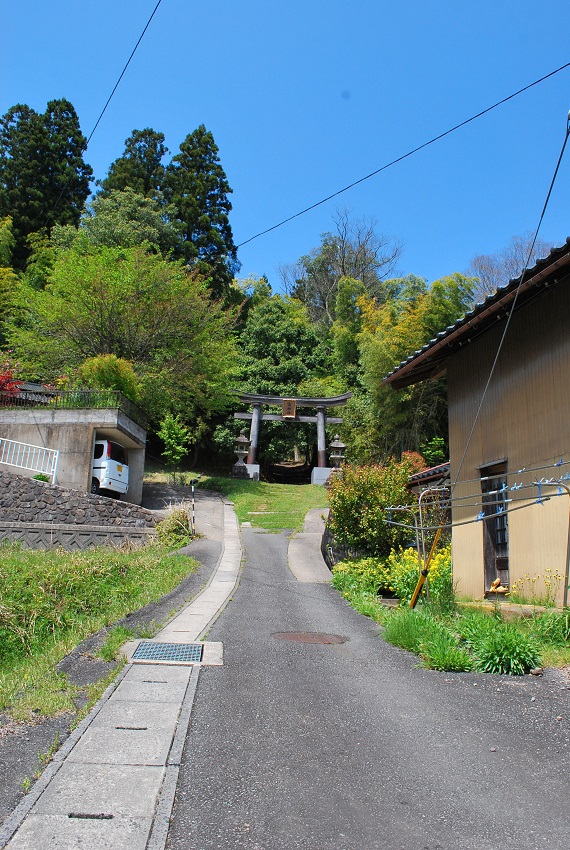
{"x":450,"y":636}
{"x":269,"y":506}
{"x":53,"y":600}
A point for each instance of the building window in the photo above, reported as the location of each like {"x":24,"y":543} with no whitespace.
{"x":495,"y":526}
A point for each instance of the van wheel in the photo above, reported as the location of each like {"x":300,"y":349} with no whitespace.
{"x":94,"y":486}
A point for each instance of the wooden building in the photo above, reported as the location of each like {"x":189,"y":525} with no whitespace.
{"x":510,"y":440}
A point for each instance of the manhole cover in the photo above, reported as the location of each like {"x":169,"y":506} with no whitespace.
{"x":309,"y":637}
{"x":179,"y":653}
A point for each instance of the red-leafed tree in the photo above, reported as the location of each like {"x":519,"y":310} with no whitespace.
{"x":9,"y":384}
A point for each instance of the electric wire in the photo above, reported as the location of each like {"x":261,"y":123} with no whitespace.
{"x":514,"y":303}
{"x":109,"y":99}
{"x":406,"y":155}
{"x":121,"y":75}
{"x":473,"y":521}
{"x":442,"y":498}
{"x":521,"y":471}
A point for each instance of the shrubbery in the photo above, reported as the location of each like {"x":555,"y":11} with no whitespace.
{"x":483,"y":642}
{"x":505,"y":649}
{"x":444,"y":637}
{"x":359,"y":499}
{"x":108,"y":372}
{"x":175,"y":530}
{"x":397,"y":574}
{"x":368,"y":574}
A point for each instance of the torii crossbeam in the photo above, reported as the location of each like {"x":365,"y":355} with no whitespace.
{"x":289,"y":407}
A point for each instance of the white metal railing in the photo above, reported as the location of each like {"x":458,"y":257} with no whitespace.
{"x":25,"y":456}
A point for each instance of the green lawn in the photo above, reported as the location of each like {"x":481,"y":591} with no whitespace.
{"x":270,"y":506}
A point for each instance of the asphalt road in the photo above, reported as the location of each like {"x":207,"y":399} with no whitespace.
{"x":351,"y":746}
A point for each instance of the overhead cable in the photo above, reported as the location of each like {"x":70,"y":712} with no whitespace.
{"x":405,"y":156}
{"x":57,"y":202}
{"x":115,"y":87}
{"x":513,"y":305}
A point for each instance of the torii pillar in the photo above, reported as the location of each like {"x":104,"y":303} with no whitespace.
{"x":254,"y":434}
{"x":321,"y":437}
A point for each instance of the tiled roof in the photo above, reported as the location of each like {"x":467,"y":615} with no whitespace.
{"x":428,"y":474}
{"x":419,"y":365}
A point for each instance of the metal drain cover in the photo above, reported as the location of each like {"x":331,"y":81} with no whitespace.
{"x":309,"y":637}
{"x":172,"y":653}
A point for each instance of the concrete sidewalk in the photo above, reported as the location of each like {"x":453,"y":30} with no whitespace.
{"x":304,"y":554}
{"x":112,"y":783}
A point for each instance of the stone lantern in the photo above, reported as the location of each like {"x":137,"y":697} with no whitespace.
{"x":241,"y":448}
{"x":336,"y":453}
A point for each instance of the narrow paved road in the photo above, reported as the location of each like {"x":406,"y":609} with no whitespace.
{"x":351,"y":746}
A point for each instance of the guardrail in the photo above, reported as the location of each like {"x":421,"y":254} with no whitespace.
{"x":25,"y":456}
{"x":73,"y":400}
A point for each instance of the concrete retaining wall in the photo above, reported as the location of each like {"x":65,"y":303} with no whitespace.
{"x":333,"y":552}
{"x":72,"y":433}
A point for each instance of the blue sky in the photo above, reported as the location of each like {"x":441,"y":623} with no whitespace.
{"x":305,"y":97}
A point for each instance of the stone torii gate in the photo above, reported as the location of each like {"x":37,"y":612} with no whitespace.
{"x":289,"y":414}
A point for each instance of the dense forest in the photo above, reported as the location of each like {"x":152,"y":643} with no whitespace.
{"x":134,"y":286}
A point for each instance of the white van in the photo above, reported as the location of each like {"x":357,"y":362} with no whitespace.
{"x":110,"y":469}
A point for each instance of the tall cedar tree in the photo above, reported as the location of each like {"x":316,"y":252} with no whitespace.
{"x":140,"y":167}
{"x":43,"y":177}
{"x":196,"y":185}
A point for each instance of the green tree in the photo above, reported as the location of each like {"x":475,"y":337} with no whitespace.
{"x":176,"y":438}
{"x":279,"y":351}
{"x":7,"y":242}
{"x":141,"y":308}
{"x":43,"y":177}
{"x":9,"y":281}
{"x":121,"y":218}
{"x":42,"y":257}
{"x":140,"y":167}
{"x":354,"y":251}
{"x":346,"y":328}
{"x":379,"y":421}
{"x":9,"y":285}
{"x":279,"y":347}
{"x":196,"y":185}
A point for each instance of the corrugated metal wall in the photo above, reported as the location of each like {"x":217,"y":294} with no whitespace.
{"x":525,"y":419}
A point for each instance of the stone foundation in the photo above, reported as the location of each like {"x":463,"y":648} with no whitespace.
{"x":40,"y":515}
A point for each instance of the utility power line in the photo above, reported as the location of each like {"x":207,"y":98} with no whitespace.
{"x":122,"y":74}
{"x":513,"y":305}
{"x":404,"y":156}
{"x":109,"y":99}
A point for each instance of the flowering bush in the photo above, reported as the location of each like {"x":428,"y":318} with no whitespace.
{"x":398,"y":573}
{"x":359,"y":500}
{"x":404,"y":570}
{"x":369,"y":574}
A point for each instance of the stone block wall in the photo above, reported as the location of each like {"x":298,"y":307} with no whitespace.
{"x":26,"y":500}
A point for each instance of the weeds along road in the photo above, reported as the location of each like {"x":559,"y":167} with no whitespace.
{"x":351,"y":746}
